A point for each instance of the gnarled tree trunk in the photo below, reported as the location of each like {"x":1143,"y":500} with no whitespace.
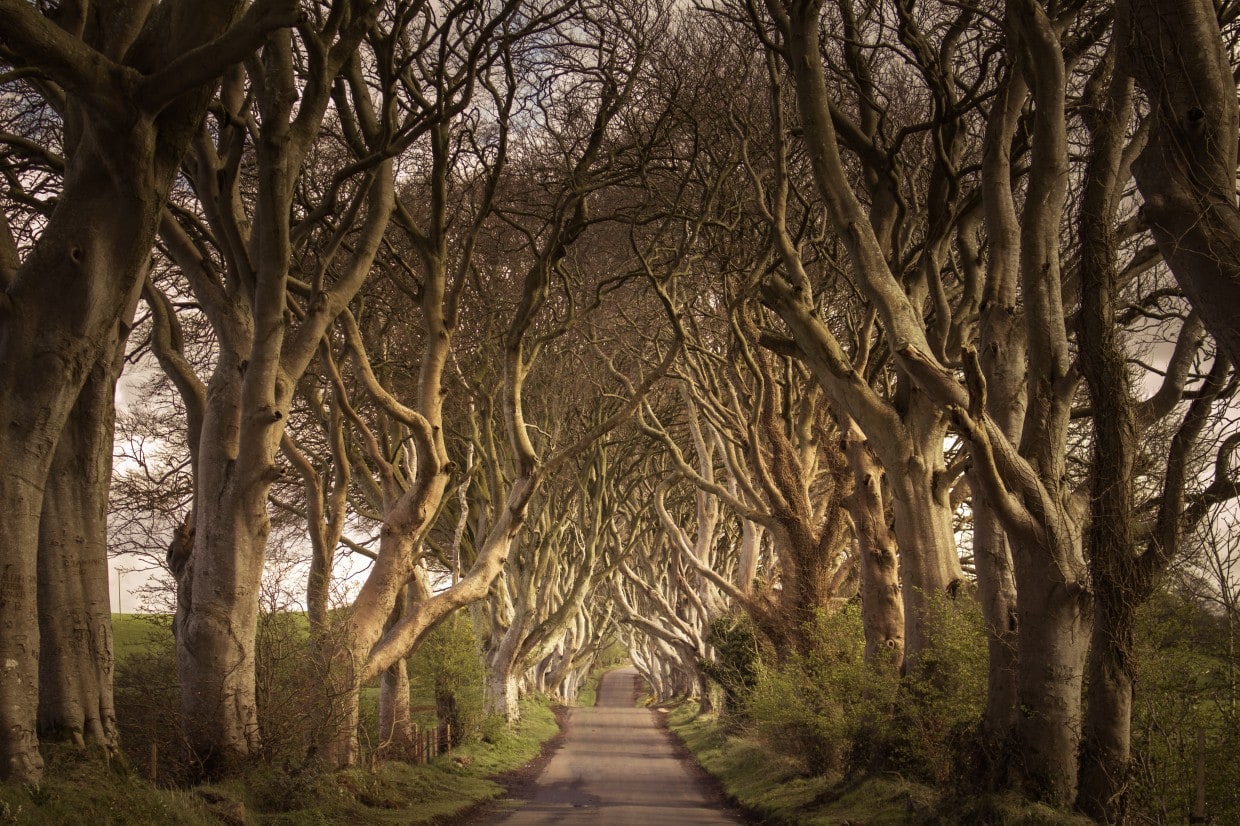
{"x":127,"y":128}
{"x":1187,"y":171}
{"x":75,"y":621}
{"x":882,"y":610}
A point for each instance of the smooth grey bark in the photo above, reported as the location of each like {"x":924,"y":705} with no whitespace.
{"x":1001,"y":357}
{"x":395,"y":720}
{"x":1187,"y":171}
{"x":882,"y":610}
{"x":75,"y":620}
{"x":135,"y":84}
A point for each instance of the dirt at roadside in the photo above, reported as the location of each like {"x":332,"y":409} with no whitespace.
{"x":519,"y":783}
{"x":710,"y":786}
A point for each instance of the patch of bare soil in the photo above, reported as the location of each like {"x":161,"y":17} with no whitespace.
{"x":519,"y":783}
{"x":710,"y":786}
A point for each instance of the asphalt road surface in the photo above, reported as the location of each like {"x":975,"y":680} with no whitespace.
{"x":617,"y":766}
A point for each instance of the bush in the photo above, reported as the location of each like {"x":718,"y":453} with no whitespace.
{"x":815,"y":707}
{"x":943,"y":698}
{"x":447,"y":669}
{"x":1184,"y":684}
{"x":147,"y":697}
{"x":838,"y":713}
{"x":736,"y":662}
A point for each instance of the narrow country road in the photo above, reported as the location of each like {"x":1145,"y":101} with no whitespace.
{"x":617,"y":766}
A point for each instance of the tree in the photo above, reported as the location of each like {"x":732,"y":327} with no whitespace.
{"x":1187,"y":170}
{"x":130,"y":85}
{"x":238,"y":418}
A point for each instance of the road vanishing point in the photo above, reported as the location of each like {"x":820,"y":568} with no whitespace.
{"x":617,"y":766}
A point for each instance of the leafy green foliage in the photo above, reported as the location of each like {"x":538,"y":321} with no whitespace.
{"x":942,"y":698}
{"x":447,"y":671}
{"x":774,"y":787}
{"x":815,"y":707}
{"x":840,"y":714}
{"x":1185,"y":684}
{"x":736,"y":662}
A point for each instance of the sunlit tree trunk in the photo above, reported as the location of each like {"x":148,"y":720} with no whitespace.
{"x":395,"y":716}
{"x":882,"y":610}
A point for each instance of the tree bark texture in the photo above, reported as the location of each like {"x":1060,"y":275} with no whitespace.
{"x":1054,"y":638}
{"x":127,"y":128}
{"x":1110,"y":537}
{"x":75,"y":620}
{"x":882,"y":610}
{"x":1187,"y":171}
{"x":57,"y":317}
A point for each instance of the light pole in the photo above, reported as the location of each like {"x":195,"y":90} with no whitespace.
{"x":119,"y":593}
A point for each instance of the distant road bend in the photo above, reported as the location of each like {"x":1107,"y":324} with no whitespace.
{"x":617,"y":766}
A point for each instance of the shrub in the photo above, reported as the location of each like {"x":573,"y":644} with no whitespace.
{"x":815,"y":707}
{"x":838,"y":713}
{"x":737,"y":655}
{"x":447,"y":669}
{"x":942,"y":698}
{"x":1184,"y":684}
{"x":147,"y":696}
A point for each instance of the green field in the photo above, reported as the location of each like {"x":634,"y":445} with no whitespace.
{"x":135,"y":633}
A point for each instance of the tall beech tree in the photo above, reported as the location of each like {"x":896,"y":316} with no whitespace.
{"x":906,"y":430}
{"x":1187,"y":170}
{"x":240,"y":413}
{"x":130,"y":82}
{"x":593,"y":151}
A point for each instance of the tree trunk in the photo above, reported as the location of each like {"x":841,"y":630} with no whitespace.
{"x":395,"y":717}
{"x":749,"y":555}
{"x":1187,"y":170}
{"x":503,"y":692}
{"x":216,"y":623}
{"x":51,"y":336}
{"x":1106,"y":751}
{"x":337,"y":738}
{"x":1002,"y":360}
{"x":1001,"y":356}
{"x":218,"y":587}
{"x":882,"y":611}
{"x":64,"y":302}
{"x":996,"y":590}
{"x":318,"y":593}
{"x":75,"y":621}
{"x":395,"y":721}
{"x":1054,"y":637}
{"x":925,"y":536}
{"x":21,"y":496}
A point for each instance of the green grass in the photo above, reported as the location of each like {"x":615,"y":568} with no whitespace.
{"x":136,"y":633}
{"x":587,"y":696}
{"x":82,"y":789}
{"x":778,"y":790}
{"x":395,"y":792}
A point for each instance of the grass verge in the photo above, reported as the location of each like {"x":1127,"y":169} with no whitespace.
{"x":774,"y":789}
{"x":82,"y":790}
